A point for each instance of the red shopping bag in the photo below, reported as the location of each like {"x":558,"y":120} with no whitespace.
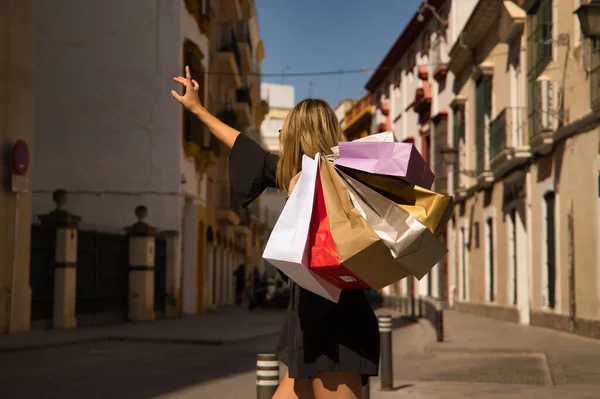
{"x":324,"y":259}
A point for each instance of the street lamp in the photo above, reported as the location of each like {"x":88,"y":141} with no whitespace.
{"x":450,"y":157}
{"x":424,"y":6}
{"x":589,"y":19}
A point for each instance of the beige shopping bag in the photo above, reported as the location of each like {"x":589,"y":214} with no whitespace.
{"x":359,"y":248}
{"x":413,"y":245}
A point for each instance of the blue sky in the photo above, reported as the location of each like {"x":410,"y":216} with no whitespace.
{"x":328,"y":35}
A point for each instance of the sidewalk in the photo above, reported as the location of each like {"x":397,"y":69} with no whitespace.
{"x":216,"y":328}
{"x":487,"y":358}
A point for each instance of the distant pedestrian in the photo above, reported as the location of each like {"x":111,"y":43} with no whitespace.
{"x":240,"y":283}
{"x":330,"y":349}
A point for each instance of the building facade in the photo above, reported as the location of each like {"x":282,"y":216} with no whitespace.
{"x":526,"y":229}
{"x":122,"y":149}
{"x":17,"y":77}
{"x":411,"y":93}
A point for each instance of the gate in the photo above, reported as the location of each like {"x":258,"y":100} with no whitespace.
{"x":102,"y":277}
{"x":160,"y":277}
{"x":41,"y":277}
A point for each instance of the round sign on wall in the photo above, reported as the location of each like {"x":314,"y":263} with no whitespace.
{"x":20,"y":157}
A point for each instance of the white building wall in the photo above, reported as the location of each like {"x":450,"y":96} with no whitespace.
{"x":107,"y":129}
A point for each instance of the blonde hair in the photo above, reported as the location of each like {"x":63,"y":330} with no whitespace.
{"x":311,"y":127}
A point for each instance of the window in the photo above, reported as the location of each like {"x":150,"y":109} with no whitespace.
{"x":483,"y":110}
{"x":411,"y":61}
{"x":490,"y":258}
{"x":192,"y":127}
{"x":539,"y":41}
{"x":426,"y":43}
{"x":513,"y":253}
{"x":595,"y":75}
{"x":550,"y":236}
{"x":458,"y":136}
{"x":462,"y":285}
{"x":539,"y":55}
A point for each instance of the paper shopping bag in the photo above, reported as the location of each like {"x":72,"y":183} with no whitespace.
{"x":324,"y":259}
{"x":358,"y":247}
{"x":391,"y":159}
{"x":287,"y":248}
{"x":412,"y":244}
{"x":431,"y":209}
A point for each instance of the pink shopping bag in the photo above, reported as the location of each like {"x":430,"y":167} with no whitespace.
{"x":401,"y":160}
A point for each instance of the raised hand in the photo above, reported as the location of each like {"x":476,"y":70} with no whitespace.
{"x":190,"y":99}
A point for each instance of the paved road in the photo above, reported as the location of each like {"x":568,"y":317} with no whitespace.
{"x":127,"y":370}
{"x":482,"y":358}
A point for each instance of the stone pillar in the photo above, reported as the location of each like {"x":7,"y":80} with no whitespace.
{"x":141,"y":267}
{"x":65,"y":272}
{"x":173,"y":300}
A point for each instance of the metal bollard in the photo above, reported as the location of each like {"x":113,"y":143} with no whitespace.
{"x":366,"y":390}
{"x":439,"y":325}
{"x":267,"y":375}
{"x":385,"y":337}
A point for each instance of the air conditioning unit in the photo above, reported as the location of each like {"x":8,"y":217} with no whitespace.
{"x":551,"y":114}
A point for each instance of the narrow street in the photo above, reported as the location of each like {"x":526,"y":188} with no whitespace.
{"x":481,"y":357}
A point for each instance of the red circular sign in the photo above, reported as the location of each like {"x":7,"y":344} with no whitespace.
{"x":20,"y":157}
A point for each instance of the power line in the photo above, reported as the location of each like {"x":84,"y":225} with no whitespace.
{"x":285,"y":74}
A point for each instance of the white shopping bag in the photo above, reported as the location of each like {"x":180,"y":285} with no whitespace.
{"x":287,"y":248}
{"x":386,"y":137}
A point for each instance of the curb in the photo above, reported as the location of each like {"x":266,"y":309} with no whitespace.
{"x":440,"y":348}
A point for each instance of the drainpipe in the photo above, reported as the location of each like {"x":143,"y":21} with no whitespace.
{"x":572,"y":319}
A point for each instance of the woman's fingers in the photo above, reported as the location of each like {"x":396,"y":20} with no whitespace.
{"x":176,"y":96}
{"x":188,"y":74}
{"x":181,"y":80}
{"x":196,"y":85}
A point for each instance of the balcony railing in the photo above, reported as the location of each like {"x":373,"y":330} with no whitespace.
{"x":508,"y":130}
{"x":243,"y":33}
{"x":228,"y":43}
{"x":357,"y":109}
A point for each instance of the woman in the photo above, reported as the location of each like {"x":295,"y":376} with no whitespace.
{"x":330,"y":349}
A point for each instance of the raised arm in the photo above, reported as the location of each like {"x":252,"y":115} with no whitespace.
{"x":190,"y":100}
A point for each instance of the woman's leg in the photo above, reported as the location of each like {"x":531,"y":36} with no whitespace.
{"x":290,"y":388}
{"x":329,"y":385}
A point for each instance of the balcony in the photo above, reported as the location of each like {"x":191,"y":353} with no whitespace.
{"x":358,"y":118}
{"x":243,"y":106}
{"x":509,"y":146}
{"x":438,"y":59}
{"x":233,"y":11}
{"x":227,"y":212}
{"x":229,"y":57}
{"x":245,"y":45}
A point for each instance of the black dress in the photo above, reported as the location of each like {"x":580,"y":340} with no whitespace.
{"x":317,"y":335}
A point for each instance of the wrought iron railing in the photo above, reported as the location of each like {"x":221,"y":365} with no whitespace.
{"x":243,"y":33}
{"x":507,"y":130}
{"x":228,"y":43}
